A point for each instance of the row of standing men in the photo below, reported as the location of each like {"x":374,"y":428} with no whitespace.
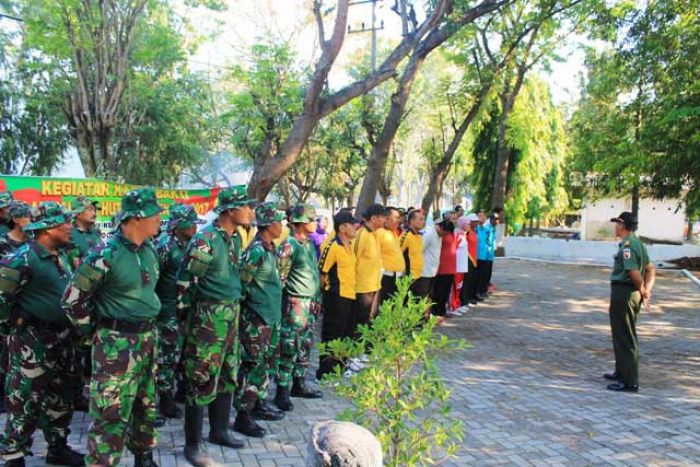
{"x":240,"y":316}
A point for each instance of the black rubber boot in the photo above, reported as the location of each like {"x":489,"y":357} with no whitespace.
{"x":282,"y":399}
{"x":300,"y":389}
{"x":62,"y":454}
{"x":247,"y":425}
{"x":219,"y":413}
{"x":266,"y":411}
{"x":80,"y":402}
{"x":167,"y":406}
{"x":181,"y":391}
{"x":144,"y":459}
{"x":195,"y":451}
{"x":15,"y":462}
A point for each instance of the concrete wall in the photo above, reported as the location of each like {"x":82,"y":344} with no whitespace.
{"x":658,"y":219}
{"x":591,"y":252}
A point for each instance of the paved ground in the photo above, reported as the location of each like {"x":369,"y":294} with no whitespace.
{"x":530,"y":389}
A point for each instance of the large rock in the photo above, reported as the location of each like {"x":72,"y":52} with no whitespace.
{"x":343,"y":444}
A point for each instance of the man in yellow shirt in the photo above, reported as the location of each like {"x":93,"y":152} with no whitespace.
{"x":393,"y":264}
{"x":338,"y":282}
{"x":369,"y":264}
{"x":411,"y":243}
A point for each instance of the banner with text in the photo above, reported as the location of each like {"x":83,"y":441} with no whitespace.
{"x":33,"y":190}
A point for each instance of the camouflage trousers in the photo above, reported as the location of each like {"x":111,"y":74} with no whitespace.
{"x":296,"y":337}
{"x":259,"y":352}
{"x":122,"y":395}
{"x":212,"y":353}
{"x":170,"y":340}
{"x":38,"y":389}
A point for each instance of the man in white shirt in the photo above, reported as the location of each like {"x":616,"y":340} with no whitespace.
{"x":432,"y":245}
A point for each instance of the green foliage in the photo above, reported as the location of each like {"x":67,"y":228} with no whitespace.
{"x":400,"y":396}
{"x":639,"y":118}
{"x":539,"y":151}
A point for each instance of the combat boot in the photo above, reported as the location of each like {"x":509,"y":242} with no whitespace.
{"x":144,"y":459}
{"x":265,"y":411}
{"x":62,"y":454}
{"x":299,"y":389}
{"x":181,"y":391}
{"x":219,"y":414}
{"x":195,"y":451}
{"x":247,"y":425}
{"x":167,"y":406}
{"x":282,"y":399}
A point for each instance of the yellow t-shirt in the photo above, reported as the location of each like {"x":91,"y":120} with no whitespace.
{"x":369,"y":261}
{"x":412,"y":249}
{"x":392,"y":259}
{"x":338,"y":262}
{"x":247,"y":235}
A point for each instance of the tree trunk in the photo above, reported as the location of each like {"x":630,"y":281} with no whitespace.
{"x":635,"y":200}
{"x":508,"y":96}
{"x":425,"y":38}
{"x":86,"y":151}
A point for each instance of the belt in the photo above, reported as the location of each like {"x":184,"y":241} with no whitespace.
{"x":125,"y":326}
{"x":393,"y":274}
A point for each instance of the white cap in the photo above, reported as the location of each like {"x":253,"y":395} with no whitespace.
{"x":473,"y":217}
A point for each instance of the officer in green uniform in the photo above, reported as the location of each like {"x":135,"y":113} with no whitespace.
{"x":632,"y":279}
{"x":115,"y":287}
{"x":84,"y":236}
{"x":170,"y":246}
{"x":32,"y":281}
{"x":301,"y":305}
{"x":20,"y":215}
{"x":209,"y":293}
{"x":5,"y":200}
{"x":260,"y":323}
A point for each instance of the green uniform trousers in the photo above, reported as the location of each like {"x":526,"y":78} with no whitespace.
{"x":625,"y":303}
{"x":38,"y":389}
{"x":212,"y":354}
{"x":170,"y":340}
{"x":122,"y":395}
{"x":296,"y":337}
{"x":259,"y":352}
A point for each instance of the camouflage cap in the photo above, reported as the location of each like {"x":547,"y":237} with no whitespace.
{"x":182,"y":216}
{"x":233,"y":197}
{"x":139,"y":202}
{"x":49,"y":214}
{"x":5,"y":199}
{"x":303,"y":213}
{"x":267,"y":213}
{"x":81,"y":203}
{"x":20,"y":209}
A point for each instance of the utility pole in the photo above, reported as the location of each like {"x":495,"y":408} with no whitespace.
{"x":372,"y":28}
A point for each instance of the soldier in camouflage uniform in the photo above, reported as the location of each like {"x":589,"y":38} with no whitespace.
{"x":32,"y":281}
{"x":20,"y":215}
{"x":115,"y":287}
{"x":301,"y":304}
{"x":5,"y":200}
{"x":260,"y":323}
{"x":170,"y":246}
{"x":84,"y":236}
{"x":209,"y":292}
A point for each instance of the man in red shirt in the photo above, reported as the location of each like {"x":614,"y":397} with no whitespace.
{"x":447,"y":268}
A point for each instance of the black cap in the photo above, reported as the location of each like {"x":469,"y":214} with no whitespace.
{"x":626,"y":218}
{"x":375,"y":210}
{"x":343,"y":217}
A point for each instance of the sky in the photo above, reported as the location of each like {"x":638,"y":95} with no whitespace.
{"x":245,"y":22}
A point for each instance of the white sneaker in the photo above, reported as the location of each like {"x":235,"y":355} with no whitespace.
{"x":452,"y":314}
{"x":355,"y":365}
{"x":364,"y":358}
{"x":462,"y":310}
{"x":349,"y":374}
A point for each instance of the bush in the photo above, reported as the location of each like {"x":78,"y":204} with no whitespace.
{"x":400,"y":395}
